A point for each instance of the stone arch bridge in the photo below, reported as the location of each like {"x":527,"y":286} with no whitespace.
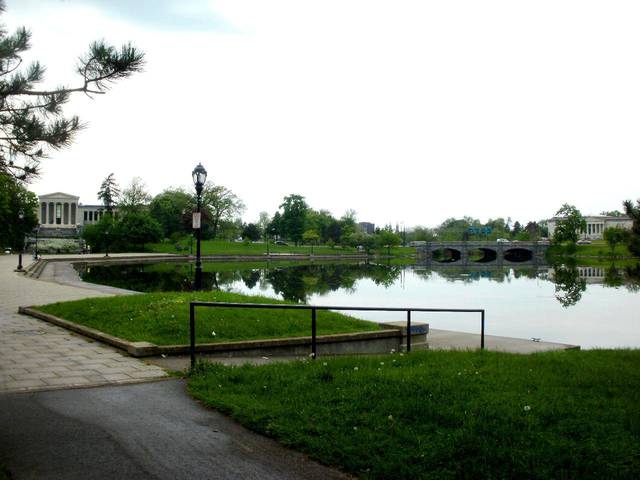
{"x":479,"y":253}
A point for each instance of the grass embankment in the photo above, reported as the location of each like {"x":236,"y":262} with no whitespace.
{"x":439,"y":415}
{"x":220,"y":247}
{"x":163,"y":318}
{"x":598,"y":250}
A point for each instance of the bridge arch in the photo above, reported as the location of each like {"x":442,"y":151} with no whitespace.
{"x":518,"y":255}
{"x":446,"y":255}
{"x":483,"y":255}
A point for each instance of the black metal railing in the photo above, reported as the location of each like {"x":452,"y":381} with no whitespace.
{"x":314,"y":309}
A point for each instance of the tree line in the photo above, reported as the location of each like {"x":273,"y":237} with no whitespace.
{"x":468,"y":228}
{"x":134,"y":218}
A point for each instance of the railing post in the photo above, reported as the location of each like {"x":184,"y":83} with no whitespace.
{"x":482,"y":331}
{"x":192,"y":334}
{"x":408,"y":330}
{"x":314,"y":346}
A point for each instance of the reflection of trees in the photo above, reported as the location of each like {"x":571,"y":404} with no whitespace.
{"x":298,"y":282}
{"x":250,"y":278}
{"x":632,"y":278}
{"x":613,"y":276}
{"x":294,"y":283}
{"x":628,"y":277}
{"x":141,"y":277}
{"x":464,"y":274}
{"x":569,"y":285}
{"x":525,"y":273}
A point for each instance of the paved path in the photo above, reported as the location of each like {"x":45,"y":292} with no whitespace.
{"x":448,"y":340}
{"x":35,"y":355}
{"x":145,"y":431}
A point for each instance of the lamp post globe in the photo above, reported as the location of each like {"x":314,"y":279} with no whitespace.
{"x":199,"y":176}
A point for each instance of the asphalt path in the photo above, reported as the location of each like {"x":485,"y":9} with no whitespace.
{"x":143,"y":431}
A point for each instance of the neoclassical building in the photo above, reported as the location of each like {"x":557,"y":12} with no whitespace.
{"x":63,"y":211}
{"x":596,"y":225}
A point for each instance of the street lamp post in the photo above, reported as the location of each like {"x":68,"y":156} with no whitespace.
{"x":21,"y":217}
{"x":106,"y":234}
{"x":199,"y":175}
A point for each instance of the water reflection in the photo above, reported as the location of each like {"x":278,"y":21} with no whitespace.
{"x":569,"y":284}
{"x":297,"y":282}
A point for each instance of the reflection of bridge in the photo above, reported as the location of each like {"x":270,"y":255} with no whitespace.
{"x":478,"y":253}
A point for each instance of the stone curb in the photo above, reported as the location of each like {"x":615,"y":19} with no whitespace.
{"x":52,"y":388}
{"x":146,"y":349}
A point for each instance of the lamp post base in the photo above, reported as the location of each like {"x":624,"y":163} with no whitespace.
{"x":19,"y":267}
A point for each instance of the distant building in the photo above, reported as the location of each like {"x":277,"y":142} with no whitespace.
{"x":366,"y":227}
{"x":64,"y":213}
{"x":596,"y":225}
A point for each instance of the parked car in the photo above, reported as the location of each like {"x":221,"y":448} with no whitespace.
{"x":502,"y":240}
{"x":584,"y":241}
{"x":280,"y":242}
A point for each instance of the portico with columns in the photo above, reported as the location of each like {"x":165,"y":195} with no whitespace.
{"x":58,"y":210}
{"x":61,"y":210}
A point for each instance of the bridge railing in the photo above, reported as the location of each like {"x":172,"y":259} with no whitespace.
{"x":314,"y":309}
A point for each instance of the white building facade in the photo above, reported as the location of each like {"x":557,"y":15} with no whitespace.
{"x":64,"y":211}
{"x":596,"y":225}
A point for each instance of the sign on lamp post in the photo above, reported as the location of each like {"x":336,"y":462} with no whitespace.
{"x":199,"y":175}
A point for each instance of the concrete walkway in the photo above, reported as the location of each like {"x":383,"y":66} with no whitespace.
{"x":145,"y":431}
{"x":448,"y":340}
{"x":35,"y":355}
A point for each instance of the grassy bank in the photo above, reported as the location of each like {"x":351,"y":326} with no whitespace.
{"x":219,"y":247}
{"x":163,"y":318}
{"x":441,"y":415}
{"x":597,"y":249}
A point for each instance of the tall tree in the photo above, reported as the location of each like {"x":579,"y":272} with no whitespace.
{"x":347,"y":226}
{"x":31,"y":119}
{"x":251,"y":231}
{"x":310,"y":237}
{"x":294,"y":216}
{"x":109,"y":192}
{"x":222,"y":204}
{"x":134,"y":198}
{"x":613,"y":236}
{"x":319,"y":221}
{"x":274,"y":228}
{"x":569,"y":224}
{"x":634,"y":236}
{"x":263,"y":223}
{"x":388,"y":238}
{"x":517,"y":228}
{"x":169,"y":207}
{"x":18,"y":208}
{"x":136,"y":228}
{"x":533,"y":230}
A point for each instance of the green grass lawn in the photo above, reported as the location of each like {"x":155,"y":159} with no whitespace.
{"x":220,"y":247}
{"x":163,"y":318}
{"x":599,"y":248}
{"x":440,"y":415}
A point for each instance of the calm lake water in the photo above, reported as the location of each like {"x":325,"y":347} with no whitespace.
{"x":587,"y":306}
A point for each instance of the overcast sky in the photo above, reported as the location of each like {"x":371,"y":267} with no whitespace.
{"x":405,"y":111}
